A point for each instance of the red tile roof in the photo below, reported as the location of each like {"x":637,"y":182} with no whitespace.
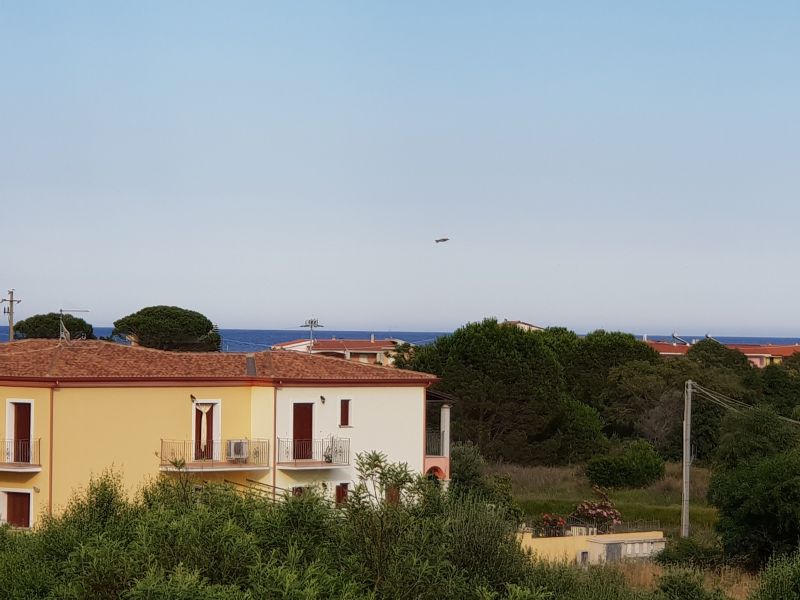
{"x":765,"y":350}
{"x":746,"y":349}
{"x":91,"y":360}
{"x":668,"y":347}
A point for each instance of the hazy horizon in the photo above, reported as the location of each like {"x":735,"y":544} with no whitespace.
{"x":623,"y":166}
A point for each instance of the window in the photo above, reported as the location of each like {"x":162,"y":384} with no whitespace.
{"x":344,"y":413}
{"x":16,"y":508}
{"x":341,"y":493}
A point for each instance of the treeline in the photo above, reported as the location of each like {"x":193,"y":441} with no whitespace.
{"x":551,"y":396}
{"x":181,"y":540}
{"x":161,"y":327}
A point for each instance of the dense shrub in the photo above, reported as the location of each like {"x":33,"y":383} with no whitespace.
{"x":780,"y":580}
{"x":637,"y":465}
{"x":685,"y":585}
{"x":689,"y":552}
{"x":179,"y":541}
{"x":759,"y":507}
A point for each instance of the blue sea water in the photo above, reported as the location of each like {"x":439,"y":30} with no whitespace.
{"x":253,"y":340}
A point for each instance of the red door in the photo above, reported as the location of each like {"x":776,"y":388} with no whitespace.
{"x":303,"y":414}
{"x":204,"y":446}
{"x":22,"y":432}
{"x":18,"y":507}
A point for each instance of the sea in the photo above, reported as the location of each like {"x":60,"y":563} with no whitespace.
{"x":253,"y":340}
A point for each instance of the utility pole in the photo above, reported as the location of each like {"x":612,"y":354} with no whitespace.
{"x":9,"y":310}
{"x":311,"y":324}
{"x":687,"y":458}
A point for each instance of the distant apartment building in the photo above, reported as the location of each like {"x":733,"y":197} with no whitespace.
{"x":523,"y":325}
{"x":275,"y":420}
{"x":758,"y":355}
{"x":369,"y":351}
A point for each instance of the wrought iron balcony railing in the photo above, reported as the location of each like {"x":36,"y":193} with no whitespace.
{"x":21,"y":453}
{"x":328,"y":452}
{"x":434,"y":443}
{"x":230,"y":454}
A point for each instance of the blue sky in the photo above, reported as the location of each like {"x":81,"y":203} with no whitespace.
{"x":629,"y":165}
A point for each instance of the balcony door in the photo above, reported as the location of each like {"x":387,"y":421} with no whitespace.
{"x":22,"y":432}
{"x":303,"y":430}
{"x":204,"y":431}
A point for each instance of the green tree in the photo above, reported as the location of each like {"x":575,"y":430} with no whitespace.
{"x":578,"y":432}
{"x":563,"y":342}
{"x":507,"y":382}
{"x":636,"y":465}
{"x":710,"y":353}
{"x":645,"y":399}
{"x":753,"y":436}
{"x":169,"y":328}
{"x":595,"y":355}
{"x":756,"y":485}
{"x":47,"y":326}
{"x":780,"y":387}
{"x":758,"y":504}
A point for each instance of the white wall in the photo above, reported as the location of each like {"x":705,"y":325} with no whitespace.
{"x":386,"y":419}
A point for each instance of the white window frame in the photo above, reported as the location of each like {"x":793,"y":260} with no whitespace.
{"x":10,"y":402}
{"x":216,"y":434}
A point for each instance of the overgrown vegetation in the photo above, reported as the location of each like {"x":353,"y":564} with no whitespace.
{"x":552,"y":397}
{"x":635,"y":465}
{"x":397,"y":537}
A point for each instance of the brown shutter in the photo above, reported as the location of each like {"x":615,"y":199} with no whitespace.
{"x":341,"y":493}
{"x":344,"y":413}
{"x":18,"y":507}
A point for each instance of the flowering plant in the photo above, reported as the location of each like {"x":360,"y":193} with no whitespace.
{"x":548,"y":520}
{"x":601,"y":511}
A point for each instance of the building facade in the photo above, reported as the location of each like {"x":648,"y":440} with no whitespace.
{"x":278,"y":420}
{"x":371,"y":351}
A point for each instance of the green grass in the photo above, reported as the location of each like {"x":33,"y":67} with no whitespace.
{"x":560,"y":489}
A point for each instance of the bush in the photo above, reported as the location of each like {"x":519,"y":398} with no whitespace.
{"x":689,"y":552}
{"x":685,"y":585}
{"x":638,"y":465}
{"x":759,"y":512}
{"x":780,"y":580}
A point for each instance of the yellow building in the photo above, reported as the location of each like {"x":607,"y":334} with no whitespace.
{"x":596,"y":548}
{"x":276,"y":419}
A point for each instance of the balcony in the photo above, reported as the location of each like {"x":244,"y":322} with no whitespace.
{"x":434,"y":443}
{"x":20,"y":456}
{"x":219,"y":455}
{"x":329,"y":453}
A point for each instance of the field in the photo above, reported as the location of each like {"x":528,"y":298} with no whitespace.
{"x":559,"y":489}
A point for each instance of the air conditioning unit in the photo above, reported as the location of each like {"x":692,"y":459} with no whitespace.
{"x":238,"y":449}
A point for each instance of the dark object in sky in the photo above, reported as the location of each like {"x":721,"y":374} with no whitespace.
{"x":441,"y":240}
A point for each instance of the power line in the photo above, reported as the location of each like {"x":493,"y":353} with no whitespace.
{"x":720,"y":400}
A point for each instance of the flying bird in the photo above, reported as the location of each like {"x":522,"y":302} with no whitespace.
{"x":440,"y":240}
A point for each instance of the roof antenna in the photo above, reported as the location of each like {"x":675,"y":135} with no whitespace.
{"x":63,"y":332}
{"x":312,"y":324}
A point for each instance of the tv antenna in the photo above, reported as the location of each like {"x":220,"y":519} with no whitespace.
{"x":9,"y":310}
{"x":312,"y":324}
{"x":63,"y":332}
